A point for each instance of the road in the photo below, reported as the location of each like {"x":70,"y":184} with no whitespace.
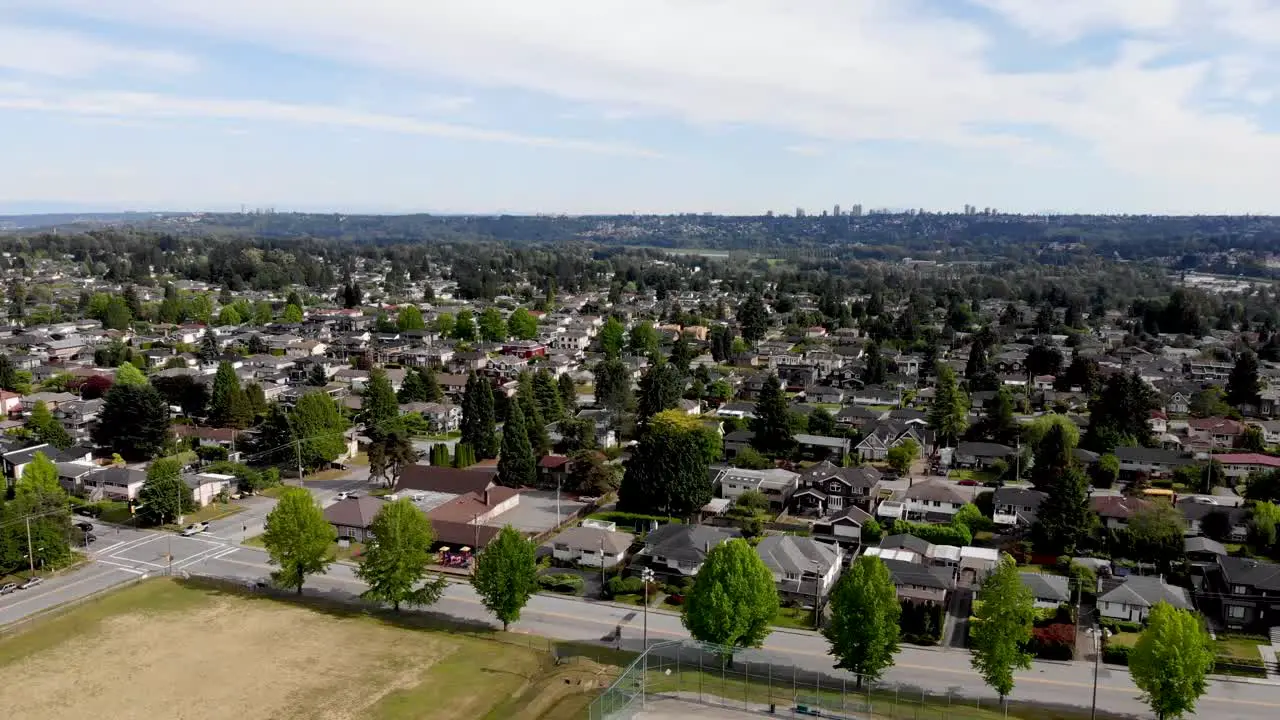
{"x":122,"y":554}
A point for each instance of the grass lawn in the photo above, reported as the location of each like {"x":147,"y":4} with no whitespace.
{"x":455,"y":435}
{"x":208,"y":513}
{"x":333,"y":474}
{"x":341,"y":554}
{"x":275,"y":492}
{"x":360,"y":459}
{"x":257,"y":659}
{"x":1127,"y":639}
{"x":636,"y":599}
{"x":1239,"y":646}
{"x":977,"y":475}
{"x":797,"y":618}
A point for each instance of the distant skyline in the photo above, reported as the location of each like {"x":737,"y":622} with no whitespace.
{"x":662,"y":106}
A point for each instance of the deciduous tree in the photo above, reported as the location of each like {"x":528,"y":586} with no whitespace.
{"x":667,"y":471}
{"x":298,"y":538}
{"x":493,"y":328}
{"x":506,"y":575}
{"x":46,"y":428}
{"x":1171,"y":660}
{"x":318,"y":427}
{"x":660,"y":389}
{"x":611,"y":337}
{"x":410,"y":318}
{"x":164,"y":495}
{"x":733,"y":600}
{"x":863,"y":630}
{"x":396,"y":559}
{"x":1001,"y":628}
{"x":522,"y":324}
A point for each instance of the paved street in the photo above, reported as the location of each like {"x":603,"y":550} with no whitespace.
{"x":124,"y":554}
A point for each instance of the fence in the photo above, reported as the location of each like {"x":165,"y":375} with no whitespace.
{"x":762,"y":682}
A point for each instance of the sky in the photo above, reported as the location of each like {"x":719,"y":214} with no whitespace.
{"x":650,"y":106}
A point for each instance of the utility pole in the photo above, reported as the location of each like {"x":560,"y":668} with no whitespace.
{"x":558,"y":506}
{"x":601,"y":564}
{"x":31,"y":556}
{"x":297,"y":446}
{"x":646,"y":575}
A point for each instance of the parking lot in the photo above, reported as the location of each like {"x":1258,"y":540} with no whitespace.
{"x":536,"y":511}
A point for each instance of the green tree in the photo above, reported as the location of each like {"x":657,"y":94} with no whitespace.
{"x":863,"y":631}
{"x":412,"y":389}
{"x":901,"y":456}
{"x":516,"y":464}
{"x":733,"y":600}
{"x":262,"y":313}
{"x":410,"y":318}
{"x":117,"y":315}
{"x":772,"y":422}
{"x":1065,"y":521}
{"x":478,"y":417}
{"x":379,"y":409}
{"x":681,"y":353}
{"x":8,"y":374}
{"x":292,"y":314}
{"x":751,"y":459}
{"x":753,"y":318}
{"x":589,"y":474}
{"x":228,"y":405}
{"x":822,"y":422}
{"x":210,"y":349}
{"x":318,"y":428}
{"x":295,"y":299}
{"x":1171,"y":660}
{"x":667,"y":471}
{"x":998,"y":423}
{"x":164,"y":496}
{"x":547,"y":395}
{"x":611,"y":337}
{"x":493,"y":328}
{"x":523,"y":325}
{"x":129,"y":374}
{"x":1001,"y":628}
{"x":643,"y":340}
{"x":506,"y":575}
{"x":395,"y":561}
{"x":430,"y":386}
{"x":660,"y":389}
{"x":949,"y":413}
{"x":228,"y":315}
{"x":1120,"y":412}
{"x":134,"y":421}
{"x":1243,"y":385}
{"x":1052,"y":440}
{"x":464,"y":326}
{"x":298,"y":538}
{"x":568,"y":395}
{"x":874,"y":369}
{"x":445,"y":323}
{"x":46,"y":428}
{"x":613,"y":387}
{"x":1156,"y":534}
{"x":1253,"y":440}
{"x":38,"y":506}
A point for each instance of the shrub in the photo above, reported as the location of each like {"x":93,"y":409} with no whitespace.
{"x":562,"y":583}
{"x":1116,"y":654}
{"x":638,"y":521}
{"x":1119,"y":626}
{"x":619,"y":585}
{"x":1053,"y":642}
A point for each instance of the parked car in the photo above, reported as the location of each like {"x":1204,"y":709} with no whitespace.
{"x":969,"y":483}
{"x":84,"y":526}
{"x":8,"y":588}
{"x":30,"y":583}
{"x":90,"y":538}
{"x":195,"y":529}
{"x":342,"y":495}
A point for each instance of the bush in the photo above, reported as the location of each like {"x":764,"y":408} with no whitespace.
{"x":618,"y":585}
{"x":638,"y":521}
{"x":1119,"y":626}
{"x":957,"y":535}
{"x":1244,"y":667}
{"x":1116,"y":654}
{"x":1053,"y":642}
{"x":921,"y":623}
{"x":562,"y":583}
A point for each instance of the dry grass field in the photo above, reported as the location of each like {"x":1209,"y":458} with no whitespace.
{"x":163,"y":649}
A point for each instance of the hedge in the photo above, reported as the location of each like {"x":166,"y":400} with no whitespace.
{"x":1116,"y":654}
{"x":1053,"y":642}
{"x":1119,"y":626}
{"x":633,"y":520}
{"x":1245,"y":667}
{"x":936,"y":534}
{"x":618,"y":585}
{"x":562,"y":583}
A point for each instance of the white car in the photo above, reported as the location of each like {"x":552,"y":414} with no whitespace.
{"x":195,"y":529}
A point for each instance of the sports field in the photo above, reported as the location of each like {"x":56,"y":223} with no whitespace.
{"x":164,"y":649}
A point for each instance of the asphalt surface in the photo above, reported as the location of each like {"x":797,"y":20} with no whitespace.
{"x":124,"y":554}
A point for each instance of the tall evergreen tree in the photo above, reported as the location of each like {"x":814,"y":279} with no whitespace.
{"x":516,"y":464}
{"x":209,"y":348}
{"x":568,"y":395}
{"x":753,"y":318}
{"x":1064,"y":521}
{"x":772,"y":422}
{"x":379,"y":409}
{"x":667,"y":471}
{"x":874,"y":370}
{"x":681,"y":353}
{"x":547,"y":394}
{"x":228,"y":406}
{"x":431,"y":387}
{"x":1243,"y":386}
{"x":660,"y":389}
{"x":134,"y":422}
{"x":998,"y":423}
{"x":478,"y":417}
{"x":1120,"y":412}
{"x":949,"y":413}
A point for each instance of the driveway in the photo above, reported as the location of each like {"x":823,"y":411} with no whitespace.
{"x":955,"y":626}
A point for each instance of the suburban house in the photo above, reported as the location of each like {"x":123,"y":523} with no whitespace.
{"x":1245,"y":591}
{"x":71,"y":475}
{"x":935,"y":499}
{"x":1048,"y":591}
{"x":888,"y":434}
{"x":980,"y":454}
{"x":1239,"y":466}
{"x":1195,"y":509}
{"x":1115,"y":510}
{"x":352,"y":518}
{"x":844,"y":527}
{"x":1013,"y":506}
{"x":205,"y":487}
{"x":828,"y":488}
{"x":778,"y":485}
{"x":677,"y":549}
{"x":1154,"y":462}
{"x":920,"y":583}
{"x":803,"y":568}
{"x":1133,"y":599}
{"x":592,"y":544}
{"x":115,"y":482}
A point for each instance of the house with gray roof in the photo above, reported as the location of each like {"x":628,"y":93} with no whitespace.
{"x":677,"y":549}
{"x":1133,"y":599}
{"x":803,"y":568}
{"x":1049,"y":591}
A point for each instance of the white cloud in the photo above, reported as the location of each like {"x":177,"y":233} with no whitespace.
{"x":831,"y":70}
{"x":67,"y":54}
{"x":806,"y":150}
{"x":136,"y":106}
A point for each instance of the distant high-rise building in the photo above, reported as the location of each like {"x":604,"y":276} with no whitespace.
{"x":769,"y":213}
{"x":799,"y":212}
{"x":835,"y":212}
{"x":856,"y":210}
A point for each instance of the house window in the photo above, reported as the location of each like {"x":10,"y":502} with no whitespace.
{"x":836,"y":502}
{"x":792,"y":576}
{"x":937,"y":503}
{"x":1235,"y":611}
{"x":1239,"y":590}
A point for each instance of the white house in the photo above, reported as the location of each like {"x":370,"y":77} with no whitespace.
{"x":205,"y":487}
{"x":1133,"y":599}
{"x":778,"y":485}
{"x":594,"y":544}
{"x":802,"y":567}
{"x":934,"y":497}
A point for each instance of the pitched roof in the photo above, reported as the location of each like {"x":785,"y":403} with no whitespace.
{"x":1146,"y":591}
{"x":354,"y":512}
{"x":795,"y":555}
{"x":589,"y":538}
{"x":910,"y":542}
{"x":1259,"y":574}
{"x":686,"y":543}
{"x":455,"y":481}
{"x":1053,"y":588}
{"x":936,"y":490}
{"x":1117,"y":506}
{"x":909,"y":573}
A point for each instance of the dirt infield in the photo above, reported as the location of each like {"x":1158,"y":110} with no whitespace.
{"x":159,"y":649}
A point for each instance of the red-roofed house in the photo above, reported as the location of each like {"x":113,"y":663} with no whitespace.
{"x":1217,"y":431}
{"x":1115,"y":510}
{"x":553,"y":470}
{"x":1241,"y":465}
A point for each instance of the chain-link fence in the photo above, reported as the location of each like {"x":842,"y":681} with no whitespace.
{"x":763,"y":682}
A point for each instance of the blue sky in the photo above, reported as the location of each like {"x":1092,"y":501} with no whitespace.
{"x":585,"y":106}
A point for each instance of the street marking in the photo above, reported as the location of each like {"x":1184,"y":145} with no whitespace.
{"x":51,"y":591}
{"x":109,"y":548}
{"x":125,"y":568}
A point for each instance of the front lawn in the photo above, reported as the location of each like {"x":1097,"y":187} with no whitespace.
{"x":793,"y":617}
{"x":351,"y":553}
{"x":208,"y":513}
{"x":981,"y":476}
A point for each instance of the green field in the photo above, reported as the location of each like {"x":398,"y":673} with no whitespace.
{"x":163,"y":648}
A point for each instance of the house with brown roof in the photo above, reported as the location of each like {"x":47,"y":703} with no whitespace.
{"x":453,"y":481}
{"x":1115,"y":510}
{"x":477,"y":508}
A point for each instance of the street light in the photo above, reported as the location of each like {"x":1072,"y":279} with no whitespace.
{"x":646,"y":576}
{"x":1098,"y":634}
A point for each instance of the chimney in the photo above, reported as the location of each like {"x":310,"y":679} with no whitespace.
{"x":486,"y":497}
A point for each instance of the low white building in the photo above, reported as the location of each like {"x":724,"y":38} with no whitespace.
{"x":205,"y":487}
{"x":593,"y":544}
